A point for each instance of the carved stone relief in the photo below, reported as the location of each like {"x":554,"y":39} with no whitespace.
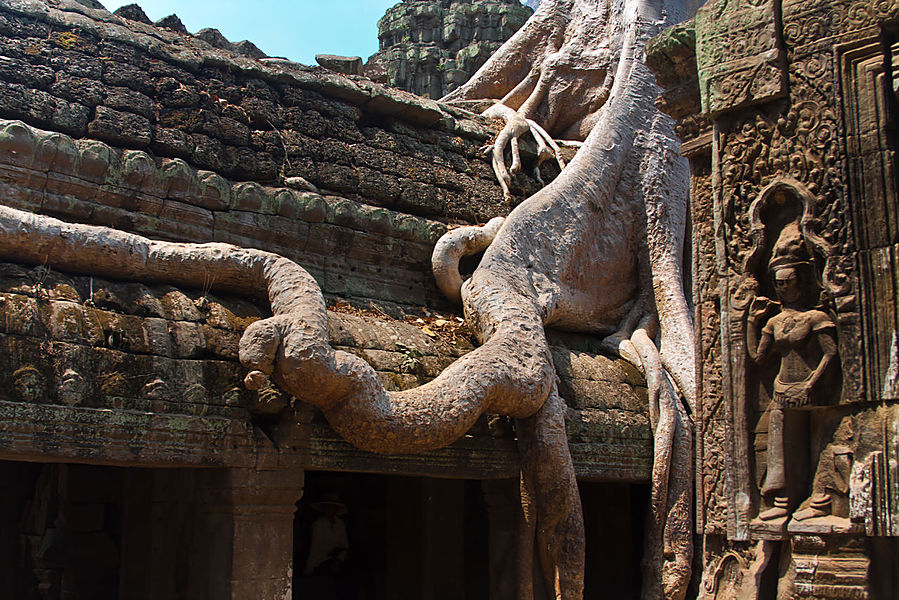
{"x":741,"y":59}
{"x":791,"y":342}
{"x":806,"y":227}
{"x":29,"y":385}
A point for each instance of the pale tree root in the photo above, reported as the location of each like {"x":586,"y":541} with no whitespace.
{"x":668,"y":552}
{"x":553,"y":524}
{"x":516,"y":125}
{"x":452,"y":246}
{"x":510,"y":374}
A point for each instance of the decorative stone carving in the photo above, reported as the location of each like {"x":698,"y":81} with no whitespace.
{"x":800,"y":100}
{"x":29,"y":384}
{"x":792,"y":342}
{"x":742,"y":61}
{"x":72,"y":388}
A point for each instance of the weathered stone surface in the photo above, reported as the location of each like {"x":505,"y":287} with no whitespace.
{"x":790,"y":468}
{"x":120,"y":128}
{"x":348,"y":65}
{"x":133,"y":12}
{"x":741,"y":57}
{"x":87,"y":344}
{"x":251,"y":120}
{"x":340,"y":240}
{"x":172,"y":22}
{"x":214,"y":38}
{"x":248,"y":49}
{"x":431,"y":48}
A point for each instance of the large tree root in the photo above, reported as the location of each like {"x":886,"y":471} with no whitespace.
{"x":511,"y":373}
{"x":564,"y":257}
{"x":576,"y":68}
{"x":452,"y":246}
{"x":668,"y":549}
{"x":553,"y":528}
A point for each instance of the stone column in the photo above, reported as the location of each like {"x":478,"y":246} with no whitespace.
{"x":243,"y":534}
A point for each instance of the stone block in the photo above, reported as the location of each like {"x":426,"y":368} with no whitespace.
{"x":121,"y":128}
{"x":348,"y":65}
{"x":172,"y":143}
{"x":131,"y":101}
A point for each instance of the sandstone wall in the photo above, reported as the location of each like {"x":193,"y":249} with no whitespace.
{"x":164,"y":105}
{"x":432,"y":47}
{"x":115,"y":122}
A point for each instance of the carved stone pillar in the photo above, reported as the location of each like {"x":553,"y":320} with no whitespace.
{"x":243,"y":534}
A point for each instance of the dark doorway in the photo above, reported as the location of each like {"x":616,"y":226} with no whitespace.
{"x":415,"y":537}
{"x":614,"y":520}
{"x":407,"y":537}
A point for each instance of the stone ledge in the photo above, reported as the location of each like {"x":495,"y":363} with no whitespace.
{"x":154,"y":393}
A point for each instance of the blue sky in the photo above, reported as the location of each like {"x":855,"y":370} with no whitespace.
{"x":297,"y":29}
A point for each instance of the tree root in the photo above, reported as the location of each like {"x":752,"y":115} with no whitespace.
{"x":553,"y":526}
{"x":668,"y":550}
{"x":452,"y":246}
{"x":516,"y":126}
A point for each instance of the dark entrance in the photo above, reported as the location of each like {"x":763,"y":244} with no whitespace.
{"x":408,"y":537}
{"x":434,"y":539}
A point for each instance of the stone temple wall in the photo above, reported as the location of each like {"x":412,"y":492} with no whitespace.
{"x":432,"y":47}
{"x":786,"y":110}
{"x":115,"y":122}
{"x":278,"y":132}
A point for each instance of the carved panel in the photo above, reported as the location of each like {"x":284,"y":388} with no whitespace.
{"x":811,"y":21}
{"x":712,"y":435}
{"x":820,"y":166}
{"x":741,"y":61}
{"x":833,"y":567}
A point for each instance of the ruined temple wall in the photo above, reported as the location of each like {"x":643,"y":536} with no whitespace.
{"x":162,"y":116}
{"x":90,"y":363}
{"x":117,"y":123}
{"x":786,"y":116}
{"x":432,"y":47}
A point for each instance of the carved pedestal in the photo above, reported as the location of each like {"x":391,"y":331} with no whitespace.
{"x":830,"y":567}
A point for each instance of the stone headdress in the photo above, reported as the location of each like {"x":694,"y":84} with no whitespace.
{"x":790,"y":250}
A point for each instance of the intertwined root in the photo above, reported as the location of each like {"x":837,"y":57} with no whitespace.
{"x":516,"y":126}
{"x":553,"y":528}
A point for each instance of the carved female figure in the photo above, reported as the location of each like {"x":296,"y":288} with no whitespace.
{"x":804,"y":337}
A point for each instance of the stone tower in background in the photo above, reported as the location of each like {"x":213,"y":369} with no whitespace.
{"x":431,"y":47}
